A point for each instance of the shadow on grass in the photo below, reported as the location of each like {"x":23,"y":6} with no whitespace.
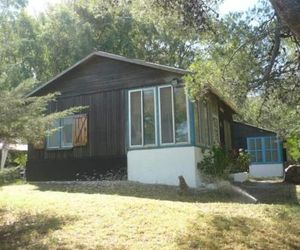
{"x":132,"y":189}
{"x":278,"y":193}
{"x":27,"y":231}
{"x":212,"y":231}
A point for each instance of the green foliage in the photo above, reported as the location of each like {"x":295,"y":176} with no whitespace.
{"x":20,"y":159}
{"x":9,"y":175}
{"x":215,"y":163}
{"x":24,"y":119}
{"x":219,"y":163}
{"x":293,"y":147}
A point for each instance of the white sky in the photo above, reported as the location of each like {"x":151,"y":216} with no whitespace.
{"x":37,"y":6}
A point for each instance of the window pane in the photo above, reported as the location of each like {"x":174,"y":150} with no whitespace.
{"x":274,"y":142}
{"x":251,"y":144}
{"x":149,"y":117}
{"x":66,"y":132}
{"x":259,"y":157}
{"x":268,"y":143}
{"x":135,"y":118}
{"x":166,"y":115}
{"x":274,"y":155}
{"x":204,"y":133}
{"x":258,"y":144}
{"x":181,"y":126}
{"x":268,"y":156}
{"x":54,"y":138}
{"x":197,"y":125}
{"x":253,"y":156}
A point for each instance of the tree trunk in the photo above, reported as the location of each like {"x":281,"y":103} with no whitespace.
{"x":289,"y":12}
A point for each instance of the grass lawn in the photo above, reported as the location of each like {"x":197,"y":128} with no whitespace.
{"x":131,"y":216}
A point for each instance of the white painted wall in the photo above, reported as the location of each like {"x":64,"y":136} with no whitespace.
{"x":164,"y":165}
{"x":266,"y":170}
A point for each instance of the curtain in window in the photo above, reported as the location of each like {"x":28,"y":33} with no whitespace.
{"x":181,"y":123}
{"x":149,"y":116}
{"x":166,"y":115}
{"x":135,"y":119}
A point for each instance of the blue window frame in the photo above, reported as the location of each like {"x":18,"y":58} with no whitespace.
{"x":62,"y":137}
{"x":264,"y":150}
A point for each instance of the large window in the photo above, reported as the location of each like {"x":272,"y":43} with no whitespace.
{"x":173,"y":115}
{"x":171,"y":104}
{"x":142,"y":117}
{"x":264,"y":149}
{"x":166,"y":114}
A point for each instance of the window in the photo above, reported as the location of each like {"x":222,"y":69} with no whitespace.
{"x":149,"y":117}
{"x":173,"y":116}
{"x":166,"y":115}
{"x":181,"y":120}
{"x":142,"y":117}
{"x":136,"y":118}
{"x":62,"y":137}
{"x":68,"y":132}
{"x":53,"y":140}
{"x":264,"y":149}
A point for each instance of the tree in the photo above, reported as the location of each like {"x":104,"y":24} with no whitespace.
{"x":288,"y":11}
{"x":25,"y":119}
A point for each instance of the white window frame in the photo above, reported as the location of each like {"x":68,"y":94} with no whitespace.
{"x":173,"y":116}
{"x":173,"y":113}
{"x":141,"y":90}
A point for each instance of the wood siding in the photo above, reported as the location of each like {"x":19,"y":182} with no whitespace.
{"x":101,"y":84}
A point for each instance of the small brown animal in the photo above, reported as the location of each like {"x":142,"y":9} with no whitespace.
{"x":183,"y":187}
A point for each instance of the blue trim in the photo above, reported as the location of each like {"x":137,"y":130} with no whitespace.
{"x":264,"y":149}
{"x":192,"y":122}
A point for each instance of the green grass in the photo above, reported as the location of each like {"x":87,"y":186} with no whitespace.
{"x":131,"y":216}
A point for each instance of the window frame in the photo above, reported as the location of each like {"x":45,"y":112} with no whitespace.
{"x":264,"y":149}
{"x":157,"y":110}
{"x":141,"y":90}
{"x":59,"y":130}
{"x":62,"y":124}
{"x":173,"y":116}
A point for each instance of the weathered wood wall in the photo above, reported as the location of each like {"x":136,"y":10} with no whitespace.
{"x":101,"y":84}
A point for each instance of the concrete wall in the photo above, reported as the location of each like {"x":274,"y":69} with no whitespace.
{"x":266,"y":170}
{"x":164,"y":165}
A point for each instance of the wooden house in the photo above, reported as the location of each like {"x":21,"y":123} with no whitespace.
{"x":139,"y":120}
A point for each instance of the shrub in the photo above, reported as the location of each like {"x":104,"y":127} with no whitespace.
{"x":10,"y":175}
{"x":219,"y":162}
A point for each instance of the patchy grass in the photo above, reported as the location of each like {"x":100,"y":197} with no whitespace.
{"x":131,"y":216}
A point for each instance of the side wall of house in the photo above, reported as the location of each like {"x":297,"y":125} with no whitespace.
{"x":101,"y":84}
{"x":242,"y":131}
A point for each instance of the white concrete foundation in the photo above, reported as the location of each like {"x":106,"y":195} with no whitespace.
{"x":266,"y":170}
{"x":164,"y":165}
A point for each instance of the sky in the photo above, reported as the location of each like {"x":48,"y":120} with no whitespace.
{"x":37,"y":6}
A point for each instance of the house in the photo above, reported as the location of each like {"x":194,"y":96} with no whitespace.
{"x":265,"y":149}
{"x":139,"y":120}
